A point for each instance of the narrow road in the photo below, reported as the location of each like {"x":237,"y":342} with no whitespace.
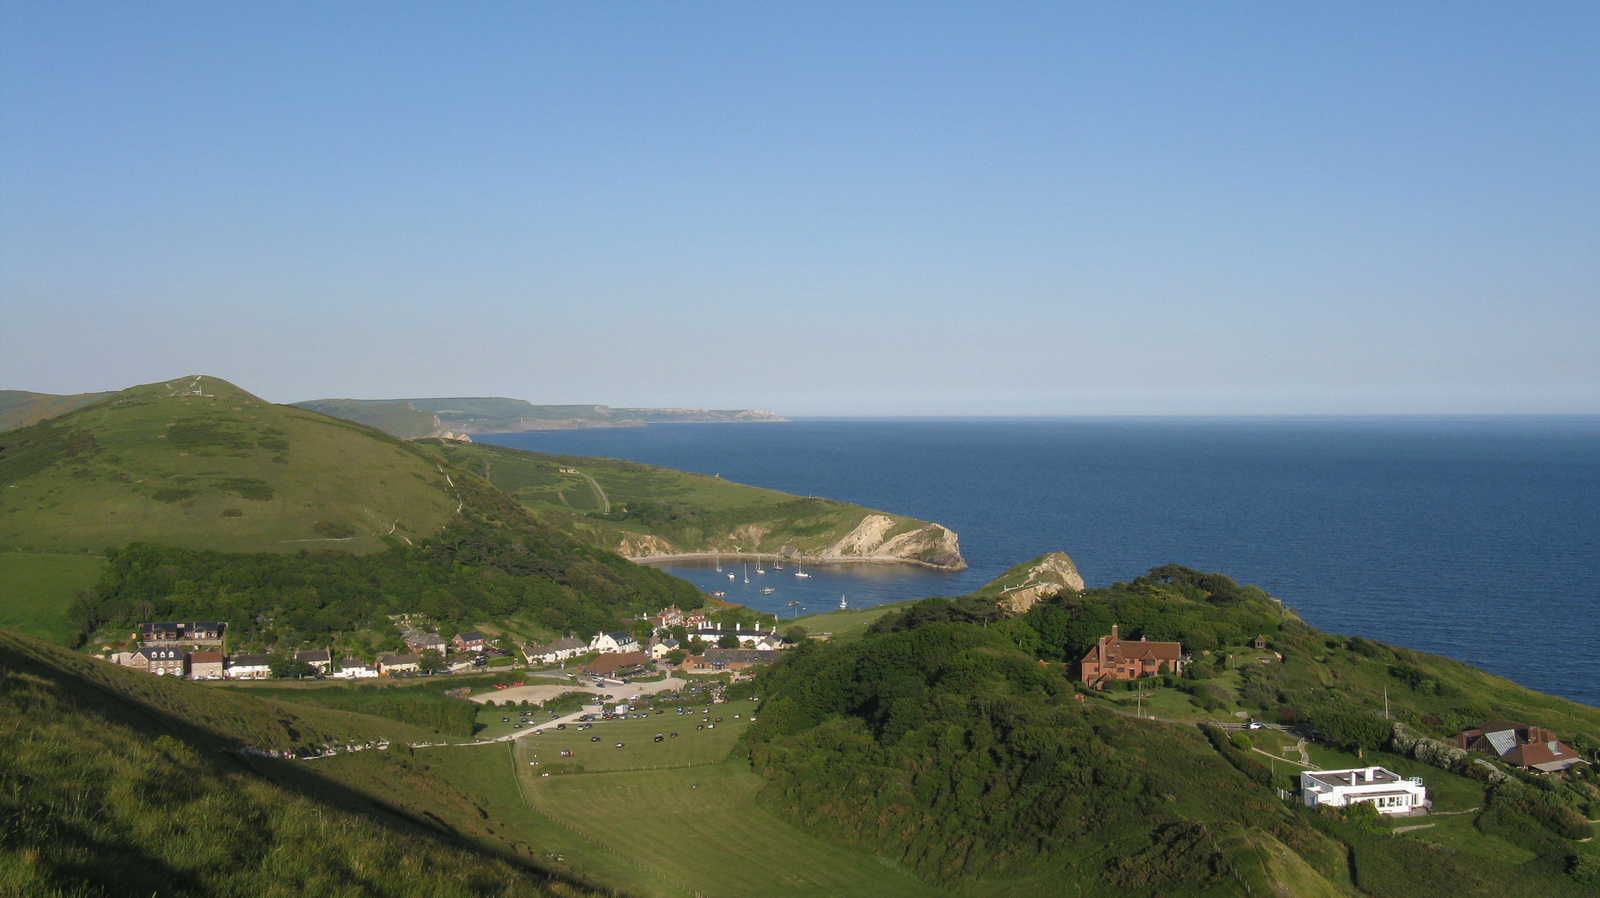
{"x":605,"y":504}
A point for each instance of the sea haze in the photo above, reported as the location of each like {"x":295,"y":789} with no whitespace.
{"x":1476,"y":538}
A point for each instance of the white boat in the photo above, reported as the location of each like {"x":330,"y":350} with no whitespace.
{"x":719,"y":563}
{"x":800,"y":569}
{"x":843,"y":605}
{"x":759,"y":568}
{"x":730,"y":576}
{"x":746,"y":573}
{"x":769,"y":590}
{"x":718,"y":594}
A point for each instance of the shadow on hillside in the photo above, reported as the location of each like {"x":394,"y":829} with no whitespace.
{"x":93,"y":692}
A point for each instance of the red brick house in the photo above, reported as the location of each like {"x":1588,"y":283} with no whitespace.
{"x":1113,"y":659}
{"x":1519,"y":746}
{"x":470,"y":641}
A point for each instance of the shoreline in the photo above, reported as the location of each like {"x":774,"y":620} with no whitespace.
{"x":819,"y":559}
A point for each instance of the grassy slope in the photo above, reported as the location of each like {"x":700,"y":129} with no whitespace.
{"x":19,"y":408}
{"x":111,"y":783}
{"x":226,"y":471}
{"x":37,"y":589}
{"x":395,"y":417}
{"x":687,"y":512}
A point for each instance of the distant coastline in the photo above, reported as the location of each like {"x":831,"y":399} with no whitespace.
{"x":808,"y":559}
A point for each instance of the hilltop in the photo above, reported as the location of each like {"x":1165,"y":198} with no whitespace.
{"x":643,"y":512}
{"x":200,"y":463}
{"x":19,"y":408}
{"x":954,"y":737}
{"x":411,"y":419}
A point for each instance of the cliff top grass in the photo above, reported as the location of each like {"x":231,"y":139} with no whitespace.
{"x":199,"y":463}
{"x":639,"y":509}
{"x":413,"y":418}
{"x":19,"y":408}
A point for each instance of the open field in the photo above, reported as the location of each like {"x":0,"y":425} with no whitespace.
{"x":36,"y":590}
{"x":848,"y":624}
{"x":678,"y":817}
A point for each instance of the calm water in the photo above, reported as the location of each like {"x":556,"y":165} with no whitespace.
{"x":1477,"y":538}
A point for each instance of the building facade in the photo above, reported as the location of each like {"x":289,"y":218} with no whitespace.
{"x":1112,"y":658}
{"x":1389,"y":792}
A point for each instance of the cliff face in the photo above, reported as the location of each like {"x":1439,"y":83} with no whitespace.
{"x":1021,"y":587}
{"x":930,"y":545}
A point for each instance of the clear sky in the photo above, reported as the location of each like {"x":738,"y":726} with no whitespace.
{"x":820,"y":209}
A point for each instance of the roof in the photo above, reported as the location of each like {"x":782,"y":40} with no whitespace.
{"x":158,"y":653}
{"x":741,"y":656}
{"x":251,"y":660}
{"x":620,"y":636}
{"x":391,"y":660}
{"x":1140,"y":650}
{"x":469,"y":635}
{"x":350,"y":661}
{"x":206,"y":658}
{"x":560,"y":645}
{"x":312,"y":656}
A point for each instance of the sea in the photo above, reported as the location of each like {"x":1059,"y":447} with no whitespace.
{"x":1472,"y":537}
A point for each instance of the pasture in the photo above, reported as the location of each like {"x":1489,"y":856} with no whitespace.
{"x":680,"y":817}
{"x":37,"y":590}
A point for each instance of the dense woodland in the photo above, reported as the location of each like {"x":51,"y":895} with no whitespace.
{"x":948,"y":739}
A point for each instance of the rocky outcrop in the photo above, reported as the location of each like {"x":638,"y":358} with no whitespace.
{"x":637,"y":545}
{"x":1025,"y":585}
{"x":932,"y":545}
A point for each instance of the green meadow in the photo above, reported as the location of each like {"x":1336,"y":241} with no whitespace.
{"x":37,"y":590}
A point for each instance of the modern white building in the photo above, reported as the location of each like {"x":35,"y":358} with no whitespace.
{"x":1388,"y":791}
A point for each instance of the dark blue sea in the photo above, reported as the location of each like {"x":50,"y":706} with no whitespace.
{"x":1476,"y":538}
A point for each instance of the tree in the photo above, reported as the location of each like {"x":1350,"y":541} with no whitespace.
{"x":697,"y":646}
{"x":727,"y":641}
{"x":431,"y":660}
{"x":675,"y":657}
{"x":795,"y":634}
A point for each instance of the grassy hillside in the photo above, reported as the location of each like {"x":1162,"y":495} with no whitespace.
{"x":112,"y":783}
{"x":642,"y":510}
{"x":199,"y":463}
{"x":37,"y":591}
{"x":413,"y":418}
{"x":950,"y":738}
{"x":19,"y":408}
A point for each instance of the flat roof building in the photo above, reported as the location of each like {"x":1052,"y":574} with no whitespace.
{"x":1388,"y":791}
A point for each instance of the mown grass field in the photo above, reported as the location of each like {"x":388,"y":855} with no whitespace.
{"x":680,"y":817}
{"x":222,"y":471}
{"x":848,"y":624}
{"x":37,"y":589}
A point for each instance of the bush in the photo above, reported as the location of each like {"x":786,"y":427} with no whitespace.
{"x":1240,"y":741}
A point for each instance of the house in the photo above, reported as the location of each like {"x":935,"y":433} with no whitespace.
{"x":161,"y":660}
{"x":353,"y":668}
{"x":249,"y":667}
{"x":470,"y":641}
{"x":747,"y":638}
{"x":671,"y":616}
{"x":321,"y":659}
{"x":206,"y":665}
{"x":695,"y":619}
{"x":613,"y":643}
{"x":389,"y":665}
{"x":1519,"y":746}
{"x":1388,"y":791}
{"x":559,"y":650}
{"x":187,"y":633}
{"x":1113,"y":659}
{"x":1260,"y":643}
{"x":616,"y":663}
{"x":420,"y":641}
{"x":737,"y":659}
{"x":659,"y":648}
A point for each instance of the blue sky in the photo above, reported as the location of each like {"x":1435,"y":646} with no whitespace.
{"x":819,"y":209}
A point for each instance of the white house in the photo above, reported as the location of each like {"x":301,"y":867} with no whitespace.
{"x":353,"y":668}
{"x":560,"y":650}
{"x":659,"y":648}
{"x":1388,"y":791}
{"x":614,"y":643}
{"x":249,"y":667}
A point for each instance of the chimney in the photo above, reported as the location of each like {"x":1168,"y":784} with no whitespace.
{"x":1369,"y":772}
{"x":1114,"y":635}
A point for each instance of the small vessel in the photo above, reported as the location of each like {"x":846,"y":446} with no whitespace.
{"x":718,"y":594}
{"x":746,"y":573}
{"x":759,"y":568}
{"x":800,"y":569}
{"x":730,"y":576}
{"x":843,"y":605}
{"x":719,"y":563}
{"x":768,"y":590}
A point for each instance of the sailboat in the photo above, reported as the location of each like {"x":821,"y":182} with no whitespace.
{"x":746,"y":573}
{"x":800,"y":569}
{"x":719,"y":563}
{"x":843,"y":605}
{"x":759,"y":568}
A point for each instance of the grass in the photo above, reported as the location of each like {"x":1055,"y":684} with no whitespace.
{"x":223,"y":471}
{"x":36,"y":591}
{"x":659,"y":510}
{"x":679,"y":817}
{"x":844,"y":625}
{"x":19,"y":408}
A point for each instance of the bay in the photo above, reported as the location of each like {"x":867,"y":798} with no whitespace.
{"x":1477,"y":538}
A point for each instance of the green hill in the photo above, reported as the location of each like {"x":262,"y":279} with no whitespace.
{"x":952,"y":739}
{"x":644,"y":511}
{"x":19,"y":408}
{"x":200,"y":463}
{"x":115,"y":782}
{"x":414,"y":418}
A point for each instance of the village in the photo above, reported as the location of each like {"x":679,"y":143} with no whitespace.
{"x":689,"y":642}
